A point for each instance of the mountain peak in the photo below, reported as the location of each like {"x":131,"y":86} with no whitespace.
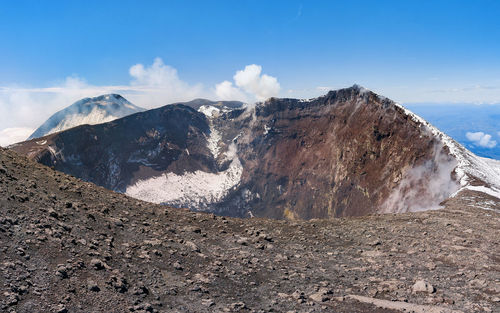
{"x":106,"y":100}
{"x":358,"y":87}
{"x":95,"y":110}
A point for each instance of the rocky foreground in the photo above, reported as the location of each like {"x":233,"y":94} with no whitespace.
{"x":69,"y":246}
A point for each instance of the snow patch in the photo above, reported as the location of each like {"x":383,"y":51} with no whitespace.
{"x":489,"y":191}
{"x":52,"y":150}
{"x":214,"y":137}
{"x":213,"y":141}
{"x":96,"y":116}
{"x":308,"y":100}
{"x":209,"y":110}
{"x":481,"y":203}
{"x":266,"y":129}
{"x":197,"y":189}
{"x":56,"y":154}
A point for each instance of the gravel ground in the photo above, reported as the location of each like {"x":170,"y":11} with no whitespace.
{"x":69,"y":246}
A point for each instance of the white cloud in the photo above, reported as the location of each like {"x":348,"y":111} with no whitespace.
{"x":25,"y":108}
{"x":261,"y":86}
{"x":227,"y":91}
{"x":151,"y":86}
{"x":9,"y":136}
{"x":249,"y":85}
{"x":158,"y":74}
{"x":481,"y":139}
{"x":159,"y":84}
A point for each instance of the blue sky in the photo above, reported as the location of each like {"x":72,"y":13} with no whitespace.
{"x":54,"y":52}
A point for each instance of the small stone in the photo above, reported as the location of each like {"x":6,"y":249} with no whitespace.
{"x":242,"y":241}
{"x":265,"y":237}
{"x":92,"y":286}
{"x":62,"y":271}
{"x":297,"y":295}
{"x":12,"y":298}
{"x":430,"y":265}
{"x":423,"y":286}
{"x":192,"y":246}
{"x":282,"y":295}
{"x":208,"y":302}
{"x":97,"y":264}
{"x":238,"y":306}
{"x":140,"y":290}
{"x":61,"y":309}
{"x":325,"y":290}
{"x":319,"y":297}
{"x":119,"y":283}
{"x":178,"y":266}
{"x":147,"y":307}
{"x":53,"y":213}
{"x":196,"y":288}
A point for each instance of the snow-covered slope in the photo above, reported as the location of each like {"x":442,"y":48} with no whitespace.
{"x":197,"y":189}
{"x":90,"y":111}
{"x":472,"y":172}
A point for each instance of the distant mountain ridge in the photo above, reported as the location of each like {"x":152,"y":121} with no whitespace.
{"x":90,"y":111}
{"x":348,"y":153}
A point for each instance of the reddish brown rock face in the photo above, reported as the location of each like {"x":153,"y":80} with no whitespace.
{"x":349,"y":153}
{"x":338,"y":155}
